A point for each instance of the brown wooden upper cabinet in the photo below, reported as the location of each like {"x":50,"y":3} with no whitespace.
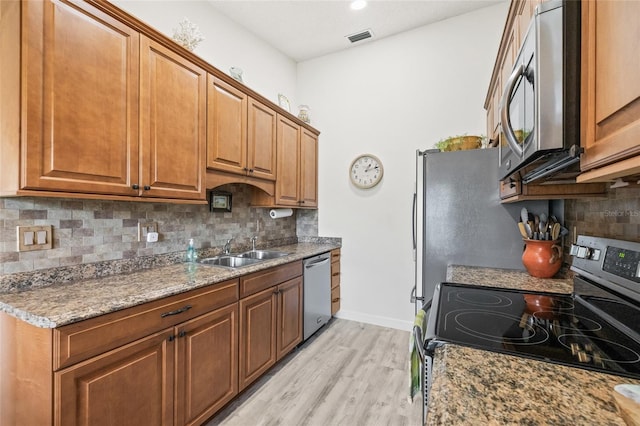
{"x":610,"y":91}
{"x":297,"y":167}
{"x":106,"y":111}
{"x":173,"y":124}
{"x":241,"y":136}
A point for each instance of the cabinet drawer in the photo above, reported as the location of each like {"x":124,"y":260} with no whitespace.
{"x":510,"y":188}
{"x":335,"y":274}
{"x":84,"y":339}
{"x":264,"y":279}
{"x":335,"y":300}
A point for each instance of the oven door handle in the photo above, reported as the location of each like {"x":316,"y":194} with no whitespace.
{"x":505,"y":115}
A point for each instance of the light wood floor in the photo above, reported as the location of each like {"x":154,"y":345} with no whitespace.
{"x":349,"y":373}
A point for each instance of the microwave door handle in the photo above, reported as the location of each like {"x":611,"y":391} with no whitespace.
{"x":504,"y":110}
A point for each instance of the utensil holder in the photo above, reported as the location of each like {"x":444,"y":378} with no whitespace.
{"x":541,"y":258}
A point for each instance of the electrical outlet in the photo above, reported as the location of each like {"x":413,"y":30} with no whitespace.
{"x":32,"y":238}
{"x":144,"y":227}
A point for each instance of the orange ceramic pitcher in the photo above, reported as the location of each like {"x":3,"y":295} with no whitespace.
{"x":542,"y":258}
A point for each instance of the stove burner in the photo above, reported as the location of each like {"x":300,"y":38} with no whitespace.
{"x":472,"y":323}
{"x":482,"y":299}
{"x":578,"y":323}
{"x":586,"y":349}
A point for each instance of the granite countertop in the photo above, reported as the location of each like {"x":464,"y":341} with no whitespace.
{"x":507,"y":278}
{"x":472,"y":386}
{"x":61,"y":304}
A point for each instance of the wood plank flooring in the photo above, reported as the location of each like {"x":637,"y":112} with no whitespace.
{"x":349,"y":373}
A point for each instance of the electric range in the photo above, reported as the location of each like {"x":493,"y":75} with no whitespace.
{"x":597,"y":327}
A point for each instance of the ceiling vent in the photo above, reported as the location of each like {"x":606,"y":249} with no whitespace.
{"x":359,"y":36}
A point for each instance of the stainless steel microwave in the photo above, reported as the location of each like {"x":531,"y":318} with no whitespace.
{"x":540,"y":106}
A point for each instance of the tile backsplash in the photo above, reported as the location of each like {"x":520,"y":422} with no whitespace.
{"x":87,"y":231}
{"x":616,"y":216}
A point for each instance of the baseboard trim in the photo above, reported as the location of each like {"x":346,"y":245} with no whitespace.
{"x":375,"y":320}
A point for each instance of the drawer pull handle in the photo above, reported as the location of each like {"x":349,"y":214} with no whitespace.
{"x":335,"y":300}
{"x":336,"y":274}
{"x":176,"y":312}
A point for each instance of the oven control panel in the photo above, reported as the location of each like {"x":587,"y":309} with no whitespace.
{"x":622,"y":262}
{"x":614,"y":264}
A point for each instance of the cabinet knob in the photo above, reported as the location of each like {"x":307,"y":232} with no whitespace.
{"x":250,"y":170}
{"x":146,"y":187}
{"x":172,"y":338}
{"x":135,"y":186}
{"x":182,"y":333}
{"x":245,"y":169}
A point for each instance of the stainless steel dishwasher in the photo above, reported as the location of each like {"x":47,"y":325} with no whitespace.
{"x":317,"y":293}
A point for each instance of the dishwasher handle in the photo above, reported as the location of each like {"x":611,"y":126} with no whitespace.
{"x":316,"y":263}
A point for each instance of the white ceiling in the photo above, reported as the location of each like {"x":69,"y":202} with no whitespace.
{"x":305,"y":29}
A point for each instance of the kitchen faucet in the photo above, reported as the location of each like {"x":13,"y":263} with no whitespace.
{"x":253,"y":242}
{"x":227,"y":246}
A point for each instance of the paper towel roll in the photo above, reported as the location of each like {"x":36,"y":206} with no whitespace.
{"x":278,"y":213}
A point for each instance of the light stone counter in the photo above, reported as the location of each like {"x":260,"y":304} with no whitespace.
{"x":60,"y":304}
{"x":477,"y":387}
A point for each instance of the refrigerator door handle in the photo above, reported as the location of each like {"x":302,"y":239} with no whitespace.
{"x":413,"y":222}
{"x":413,"y":298}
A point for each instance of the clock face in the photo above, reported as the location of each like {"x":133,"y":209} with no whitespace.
{"x":366,"y":171}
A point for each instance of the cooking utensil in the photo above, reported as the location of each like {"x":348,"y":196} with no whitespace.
{"x":536,"y":222}
{"x":555,"y":231}
{"x":524,"y":215}
{"x":543,"y":218}
{"x":523,"y":230}
{"x":527,"y":227}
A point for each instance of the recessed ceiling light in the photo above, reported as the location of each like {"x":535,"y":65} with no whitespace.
{"x":358,"y":4}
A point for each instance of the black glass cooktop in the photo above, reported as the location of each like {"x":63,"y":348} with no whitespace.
{"x":557,"y":328}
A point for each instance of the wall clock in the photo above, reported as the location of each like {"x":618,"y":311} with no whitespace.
{"x":366,"y":171}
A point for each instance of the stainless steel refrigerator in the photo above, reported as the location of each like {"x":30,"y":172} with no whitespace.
{"x":458,"y":218}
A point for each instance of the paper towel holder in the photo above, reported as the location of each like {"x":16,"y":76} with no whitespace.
{"x":220,"y":201}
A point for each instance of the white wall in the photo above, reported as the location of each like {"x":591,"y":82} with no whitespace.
{"x":388,"y":98}
{"x":266,"y":70}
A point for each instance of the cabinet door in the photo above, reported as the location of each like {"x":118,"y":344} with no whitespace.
{"x":131,"y":385}
{"x":610,"y":87}
{"x":287,"y":183}
{"x":308,"y":169}
{"x":261,"y":144}
{"x":80,"y":129}
{"x":257,"y":335}
{"x":226,"y":127}
{"x":207,"y":363}
{"x":289,"y":324}
{"x":173,"y":126}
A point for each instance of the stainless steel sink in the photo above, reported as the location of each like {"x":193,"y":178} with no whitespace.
{"x":262,"y":254}
{"x":228,"y":261}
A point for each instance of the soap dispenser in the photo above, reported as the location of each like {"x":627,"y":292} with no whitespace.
{"x":192,"y":256}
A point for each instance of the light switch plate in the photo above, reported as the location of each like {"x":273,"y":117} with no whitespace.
{"x":32,"y":238}
{"x":144,"y":227}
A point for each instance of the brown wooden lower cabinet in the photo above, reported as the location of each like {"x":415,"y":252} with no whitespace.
{"x":134,"y":384}
{"x":207,"y":356}
{"x":270,"y":327}
{"x":174,"y":361}
{"x":335,"y":281}
{"x":129,"y":385}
